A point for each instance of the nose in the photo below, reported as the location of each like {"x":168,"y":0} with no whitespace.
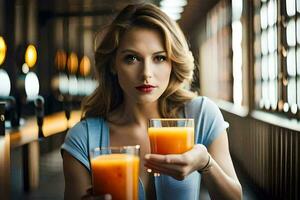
{"x":147,"y":70}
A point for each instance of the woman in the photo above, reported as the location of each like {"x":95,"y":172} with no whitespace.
{"x":143,"y":63}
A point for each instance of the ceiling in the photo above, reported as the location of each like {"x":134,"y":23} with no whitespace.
{"x":194,"y":11}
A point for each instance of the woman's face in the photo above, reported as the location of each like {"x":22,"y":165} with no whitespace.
{"x":142,"y":65}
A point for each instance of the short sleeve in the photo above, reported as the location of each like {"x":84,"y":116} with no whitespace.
{"x":76,"y":143}
{"x":209,"y":121}
{"x":213,"y":122}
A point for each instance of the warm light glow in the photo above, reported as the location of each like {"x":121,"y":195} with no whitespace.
{"x":85,"y":66}
{"x":5,"y":83}
{"x":30,"y":56}
{"x":2,"y":50}
{"x":32,"y":85}
{"x":60,"y":59}
{"x":72,"y":63}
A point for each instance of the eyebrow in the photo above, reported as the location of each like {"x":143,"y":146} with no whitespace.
{"x":132,"y":51}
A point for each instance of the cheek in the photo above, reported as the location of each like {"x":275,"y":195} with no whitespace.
{"x":122,"y":80}
{"x":164,"y":75}
{"x":125,"y":78}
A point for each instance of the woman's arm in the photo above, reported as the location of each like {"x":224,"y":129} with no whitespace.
{"x":77,"y":178}
{"x":220,"y":178}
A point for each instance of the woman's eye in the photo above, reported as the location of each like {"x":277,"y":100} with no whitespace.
{"x":130,"y":58}
{"x":160,"y":58}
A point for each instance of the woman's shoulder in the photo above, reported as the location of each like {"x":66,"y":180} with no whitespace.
{"x":200,"y":102}
{"x":201,"y":106}
{"x":81,"y":127}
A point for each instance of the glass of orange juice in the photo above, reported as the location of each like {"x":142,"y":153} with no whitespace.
{"x":171,"y":136}
{"x":115,"y":171}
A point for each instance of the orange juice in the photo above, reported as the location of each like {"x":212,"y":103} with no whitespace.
{"x":116,"y":174}
{"x":171,"y":140}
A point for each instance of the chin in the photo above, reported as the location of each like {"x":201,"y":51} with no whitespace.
{"x":146,"y":100}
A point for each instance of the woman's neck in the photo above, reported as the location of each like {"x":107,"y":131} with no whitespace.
{"x":134,"y":113}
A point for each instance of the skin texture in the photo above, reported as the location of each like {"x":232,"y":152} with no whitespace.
{"x":141,"y":59}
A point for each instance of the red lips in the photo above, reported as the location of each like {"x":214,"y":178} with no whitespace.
{"x":145,"y":88}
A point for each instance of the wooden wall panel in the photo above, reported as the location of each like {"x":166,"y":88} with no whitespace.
{"x":268,"y":153}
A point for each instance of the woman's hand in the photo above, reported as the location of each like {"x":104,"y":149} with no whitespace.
{"x":89,"y":196}
{"x":178,"y":166}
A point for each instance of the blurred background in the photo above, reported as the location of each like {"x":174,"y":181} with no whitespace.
{"x":247,"y":55}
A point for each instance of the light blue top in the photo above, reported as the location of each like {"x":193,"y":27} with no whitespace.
{"x":209,"y":123}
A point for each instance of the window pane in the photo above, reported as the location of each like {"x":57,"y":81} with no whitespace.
{"x":237,"y":33}
{"x":291,"y":62}
{"x":290,"y":7}
{"x":271,"y":39}
{"x":264,"y":16}
{"x":298,"y":61}
{"x":298,"y":29}
{"x":298,"y":93}
{"x":264,"y":68}
{"x":273,"y":93}
{"x":272,"y":13}
{"x":291,"y":33}
{"x":264,"y":42}
{"x":291,"y":91}
{"x":265,"y":94}
{"x":237,"y":8}
{"x":272,"y":62}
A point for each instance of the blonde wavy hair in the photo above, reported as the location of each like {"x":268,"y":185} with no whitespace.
{"x":109,"y":95}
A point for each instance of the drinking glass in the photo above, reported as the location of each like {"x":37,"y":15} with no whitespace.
{"x":115,"y":171}
{"x":171,"y":136}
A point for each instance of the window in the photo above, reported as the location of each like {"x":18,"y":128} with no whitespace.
{"x":222,"y":73}
{"x":266,"y":54}
{"x":215,"y":55}
{"x":277,"y":55}
{"x":237,"y":53}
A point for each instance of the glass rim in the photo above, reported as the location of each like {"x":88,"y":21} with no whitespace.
{"x":125,"y":147}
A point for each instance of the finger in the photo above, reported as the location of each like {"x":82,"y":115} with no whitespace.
{"x":164,"y":168}
{"x":165,"y":165}
{"x":161,"y":170}
{"x":169,"y":159}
